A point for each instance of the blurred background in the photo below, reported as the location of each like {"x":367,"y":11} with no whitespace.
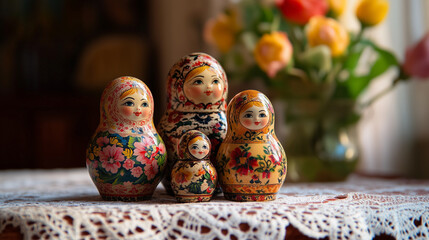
{"x":56,"y":56}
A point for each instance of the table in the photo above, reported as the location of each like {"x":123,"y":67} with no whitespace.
{"x":64,"y":204}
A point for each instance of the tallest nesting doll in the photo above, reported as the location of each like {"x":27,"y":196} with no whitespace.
{"x":197,"y":89}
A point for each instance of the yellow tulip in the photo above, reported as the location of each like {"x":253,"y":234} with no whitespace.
{"x":221,"y":31}
{"x":337,"y":6}
{"x":273,"y":52}
{"x":329,"y":32}
{"x":372,"y":12}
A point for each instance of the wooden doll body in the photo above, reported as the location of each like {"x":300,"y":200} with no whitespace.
{"x":197,"y":90}
{"x":251,"y":161}
{"x":193,"y":176}
{"x":126,"y":157}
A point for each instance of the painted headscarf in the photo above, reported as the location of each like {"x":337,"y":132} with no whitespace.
{"x":110,"y":117}
{"x":185,"y":141}
{"x":177,"y":99}
{"x":240,"y":102}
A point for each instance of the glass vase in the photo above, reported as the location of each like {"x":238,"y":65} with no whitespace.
{"x":320,"y":139}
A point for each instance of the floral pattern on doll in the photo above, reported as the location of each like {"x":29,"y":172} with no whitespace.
{"x":243,"y":163}
{"x":116,"y":159}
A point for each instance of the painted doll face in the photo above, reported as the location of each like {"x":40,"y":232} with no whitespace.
{"x":204,"y":87}
{"x":135,"y":107}
{"x":199,"y":148}
{"x":254,"y":117}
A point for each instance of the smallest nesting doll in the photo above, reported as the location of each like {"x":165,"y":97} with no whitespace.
{"x":193,"y":176}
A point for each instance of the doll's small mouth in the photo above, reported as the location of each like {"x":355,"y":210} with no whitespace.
{"x":137,"y":113}
{"x":257,"y":123}
{"x":208,"y":93}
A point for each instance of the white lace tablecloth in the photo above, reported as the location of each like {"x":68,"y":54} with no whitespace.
{"x":64,"y":204}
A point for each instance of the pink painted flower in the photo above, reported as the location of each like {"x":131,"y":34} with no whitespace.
{"x":101,"y":141}
{"x":144,"y":150}
{"x":151,"y":170}
{"x":111,"y":158}
{"x":136,"y":172}
{"x":128,"y":164}
{"x":161,"y":149}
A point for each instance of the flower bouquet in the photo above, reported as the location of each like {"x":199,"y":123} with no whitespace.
{"x":319,"y":70}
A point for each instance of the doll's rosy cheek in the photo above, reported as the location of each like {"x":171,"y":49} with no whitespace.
{"x":217,"y":91}
{"x":205,"y":151}
{"x":194,"y":152}
{"x":247,"y":122}
{"x":196,"y":91}
{"x":264,"y":121}
{"x":126,"y":111}
{"x":146,"y":112}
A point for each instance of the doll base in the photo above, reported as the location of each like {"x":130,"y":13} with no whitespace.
{"x":240,"y":197}
{"x":193,"y":198}
{"x":126,"y":198}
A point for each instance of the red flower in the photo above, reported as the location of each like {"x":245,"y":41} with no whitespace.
{"x":300,"y":11}
{"x":244,"y":170}
{"x":416,"y":62}
{"x":175,"y":117}
{"x":275,"y":160}
{"x":242,"y":161}
{"x":266,"y":174}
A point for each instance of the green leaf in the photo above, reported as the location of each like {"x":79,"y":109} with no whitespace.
{"x":194,"y":187}
{"x":356,"y":84}
{"x":131,"y":142}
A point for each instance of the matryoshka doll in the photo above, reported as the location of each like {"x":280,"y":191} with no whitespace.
{"x":193,"y":177}
{"x":197,"y":90}
{"x":251,"y":161}
{"x":126,"y":156}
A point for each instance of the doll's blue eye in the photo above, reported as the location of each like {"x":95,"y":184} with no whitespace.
{"x":128,"y":104}
{"x":145,"y":104}
{"x":205,"y":147}
{"x":248,"y":115}
{"x":198,"y":82}
{"x":216,"y":81}
{"x":194,"y":147}
{"x":262,"y":115}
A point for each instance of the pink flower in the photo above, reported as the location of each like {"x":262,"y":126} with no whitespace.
{"x":128,"y":164}
{"x":101,"y":141}
{"x":416,"y":62}
{"x":151,"y":170}
{"x":136,"y":172}
{"x":161,"y":149}
{"x":144,"y":150}
{"x":110,"y":158}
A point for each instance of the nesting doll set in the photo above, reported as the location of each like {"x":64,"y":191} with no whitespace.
{"x":204,"y":147}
